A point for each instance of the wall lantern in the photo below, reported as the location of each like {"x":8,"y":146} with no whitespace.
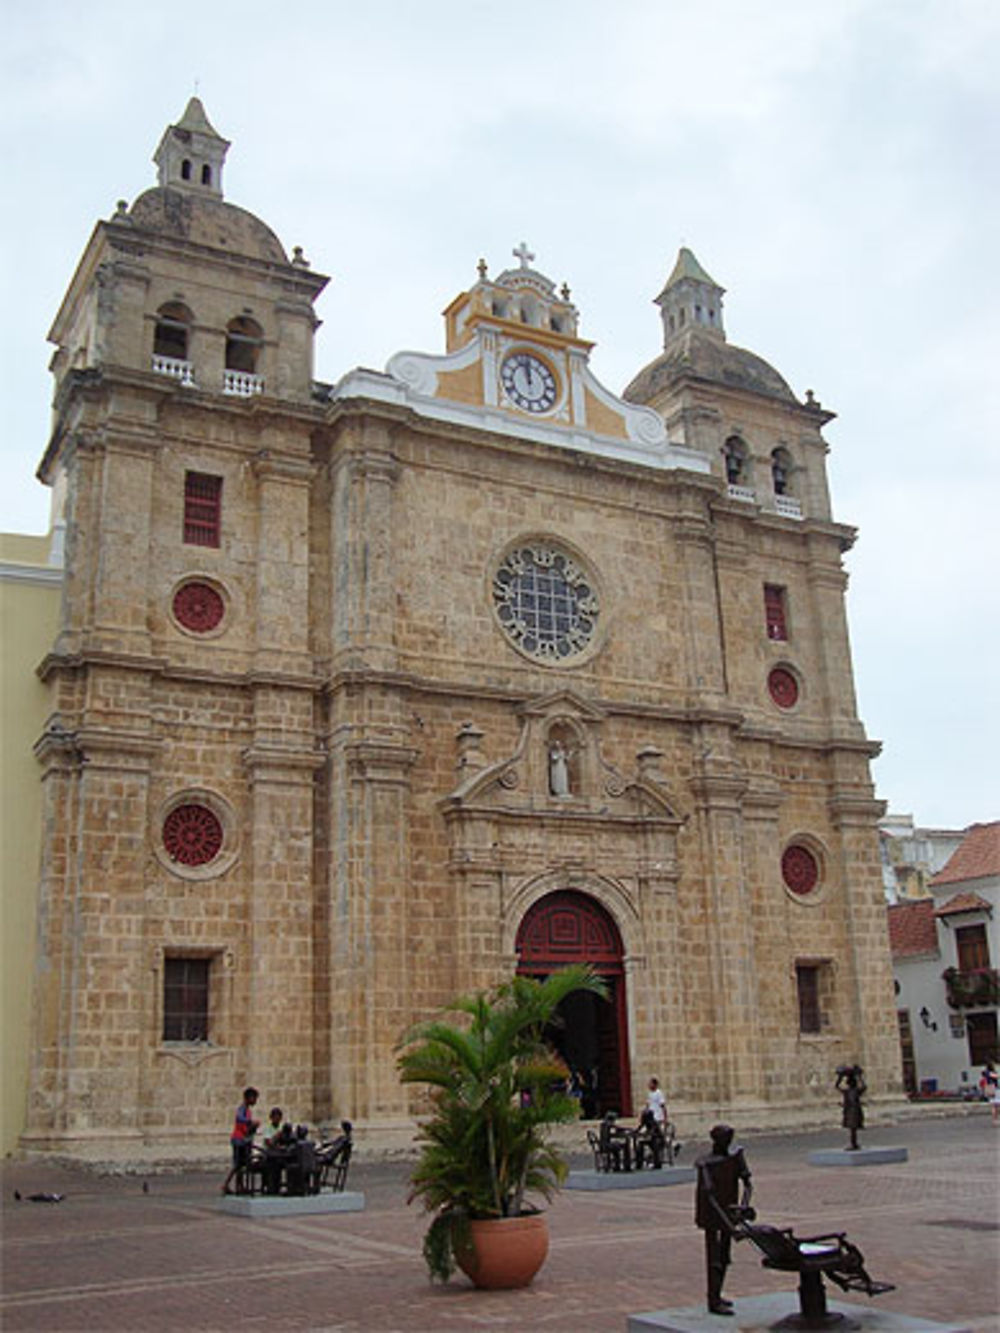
{"x":925,"y":1018}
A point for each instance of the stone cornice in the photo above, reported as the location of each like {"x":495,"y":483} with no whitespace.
{"x":52,"y":662}
{"x":380,"y":760}
{"x":380,"y":394}
{"x":848,"y":808}
{"x":724,"y":790}
{"x":453,"y":808}
{"x":269,"y":465}
{"x":262,"y":757}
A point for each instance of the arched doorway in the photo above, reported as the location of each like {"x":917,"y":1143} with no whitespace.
{"x":569,"y":927}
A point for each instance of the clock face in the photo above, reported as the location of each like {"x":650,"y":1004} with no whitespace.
{"x":528,"y":382}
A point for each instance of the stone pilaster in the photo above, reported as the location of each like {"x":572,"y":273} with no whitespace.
{"x":369,"y":920}
{"x":281,"y":903}
{"x":362,"y":550}
{"x":827,"y":586}
{"x":876,"y":1037}
{"x":706,"y":667}
{"x":92,"y":977}
{"x":726,"y":960}
{"x":120,"y":606}
{"x":282,"y":594}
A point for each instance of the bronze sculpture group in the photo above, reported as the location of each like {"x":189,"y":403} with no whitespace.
{"x":723,"y":1213}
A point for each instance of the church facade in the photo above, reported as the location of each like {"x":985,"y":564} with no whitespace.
{"x":369,"y":694}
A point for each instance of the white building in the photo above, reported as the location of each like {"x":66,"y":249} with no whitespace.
{"x":944,"y":950}
{"x":911,"y":855}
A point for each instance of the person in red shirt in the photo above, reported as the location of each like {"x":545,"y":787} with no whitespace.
{"x":244,"y":1128}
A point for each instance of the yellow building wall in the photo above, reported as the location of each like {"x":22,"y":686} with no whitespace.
{"x":30,"y":591}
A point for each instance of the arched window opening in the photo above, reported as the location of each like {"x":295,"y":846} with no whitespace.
{"x":171,"y":336}
{"x":781,"y":468}
{"x":186,"y":170}
{"x":243,"y":340}
{"x":206,"y":175}
{"x":736,"y":461}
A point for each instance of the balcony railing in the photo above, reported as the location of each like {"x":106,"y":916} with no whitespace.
{"x":241,"y":383}
{"x":787,"y":506}
{"x":745,"y":493}
{"x":973,"y":989}
{"x":175,"y":368}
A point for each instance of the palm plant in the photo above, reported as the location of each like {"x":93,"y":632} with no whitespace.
{"x":496,"y":1087}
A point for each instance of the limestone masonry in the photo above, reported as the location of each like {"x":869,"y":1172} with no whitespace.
{"x":369,"y":694}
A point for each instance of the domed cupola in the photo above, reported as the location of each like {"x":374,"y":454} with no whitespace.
{"x":191,"y":154}
{"x":695,"y":346}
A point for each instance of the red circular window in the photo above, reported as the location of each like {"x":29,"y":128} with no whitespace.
{"x":198,"y":607}
{"x":783,"y":687}
{"x":192,"y":835}
{"x":800,"y":869}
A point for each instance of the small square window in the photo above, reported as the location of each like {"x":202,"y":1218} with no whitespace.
{"x":185,"y":999}
{"x":775,"y":617}
{"x":202,"y":509}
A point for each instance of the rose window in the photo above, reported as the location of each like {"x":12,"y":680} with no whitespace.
{"x":799,"y":869}
{"x":192,"y":835}
{"x":545,"y":602}
{"x":783,"y":687}
{"x":198,"y":607}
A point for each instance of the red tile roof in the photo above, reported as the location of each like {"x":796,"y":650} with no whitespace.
{"x":912,"y":929}
{"x":964,"y":902}
{"x":976,"y":857}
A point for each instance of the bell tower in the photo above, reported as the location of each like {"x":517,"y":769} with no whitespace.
{"x":191,"y":154}
{"x":690,"y":299}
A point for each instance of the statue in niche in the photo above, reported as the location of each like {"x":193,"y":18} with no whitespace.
{"x":558,"y":769}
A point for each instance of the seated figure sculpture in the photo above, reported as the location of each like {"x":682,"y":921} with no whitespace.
{"x":723,"y":1220}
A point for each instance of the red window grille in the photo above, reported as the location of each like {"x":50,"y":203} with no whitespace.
{"x":783,"y":687}
{"x":202,"y":509}
{"x":185,"y":999}
{"x":199,"y":607}
{"x":807,"y":981}
{"x":774,"y":612}
{"x":192,"y":835}
{"x":799,"y":869}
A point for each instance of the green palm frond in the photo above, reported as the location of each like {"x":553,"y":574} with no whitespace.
{"x":484,"y":1146}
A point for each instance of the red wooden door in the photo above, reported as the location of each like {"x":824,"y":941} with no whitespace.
{"x":570,"y":927}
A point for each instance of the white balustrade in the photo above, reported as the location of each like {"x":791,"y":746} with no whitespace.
{"x":174,"y":367}
{"x":787,"y":506}
{"x":241,"y":383}
{"x":745,"y":493}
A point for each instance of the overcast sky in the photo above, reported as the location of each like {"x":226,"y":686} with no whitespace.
{"x":832,"y":163}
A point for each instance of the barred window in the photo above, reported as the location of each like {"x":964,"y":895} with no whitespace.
{"x":202,"y":509}
{"x":807,"y":982}
{"x":185,"y":999}
{"x":774,"y":612}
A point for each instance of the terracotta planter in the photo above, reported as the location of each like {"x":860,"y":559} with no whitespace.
{"x":505,"y":1251}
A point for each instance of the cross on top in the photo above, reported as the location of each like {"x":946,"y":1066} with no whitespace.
{"x":522,"y":253}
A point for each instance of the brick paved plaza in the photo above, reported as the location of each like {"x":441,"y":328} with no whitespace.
{"x":111,"y":1257}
